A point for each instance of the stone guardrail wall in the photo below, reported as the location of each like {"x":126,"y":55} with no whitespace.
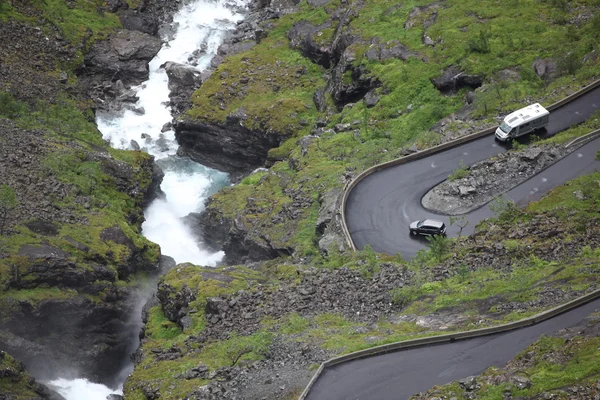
{"x":434,"y":150}
{"x":448,"y":338}
{"x":584,"y":139}
{"x":452,"y":337}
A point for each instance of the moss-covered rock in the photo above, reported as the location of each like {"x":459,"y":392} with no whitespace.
{"x":71,"y":249}
{"x":376,"y":99}
{"x":16,"y":383}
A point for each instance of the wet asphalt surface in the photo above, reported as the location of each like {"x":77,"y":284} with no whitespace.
{"x":399,"y":375}
{"x":380,"y":208}
{"x":378,"y":212}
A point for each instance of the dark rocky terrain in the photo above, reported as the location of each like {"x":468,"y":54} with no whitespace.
{"x":316,"y":92}
{"x":16,"y":383}
{"x":488,"y":179}
{"x":70,"y":255}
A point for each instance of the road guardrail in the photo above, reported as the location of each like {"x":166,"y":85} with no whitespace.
{"x":434,"y":150}
{"x":448,"y":338}
{"x":451,"y":337}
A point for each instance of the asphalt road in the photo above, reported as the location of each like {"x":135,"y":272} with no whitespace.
{"x":378,"y":212}
{"x":380,"y":208}
{"x":399,"y":375}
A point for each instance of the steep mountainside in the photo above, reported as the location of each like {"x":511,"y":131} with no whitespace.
{"x":317,"y":91}
{"x":71,"y":252}
{"x":314,"y":91}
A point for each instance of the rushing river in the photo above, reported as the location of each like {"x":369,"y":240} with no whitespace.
{"x":198,"y":25}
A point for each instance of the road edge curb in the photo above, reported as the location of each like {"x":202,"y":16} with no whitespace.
{"x":588,"y":137}
{"x":434,"y":150}
{"x":451,"y":337}
{"x":396,"y":346}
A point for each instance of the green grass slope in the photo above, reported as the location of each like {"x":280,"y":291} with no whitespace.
{"x":496,"y":40}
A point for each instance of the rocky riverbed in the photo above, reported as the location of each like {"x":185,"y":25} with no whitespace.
{"x":470,"y":187}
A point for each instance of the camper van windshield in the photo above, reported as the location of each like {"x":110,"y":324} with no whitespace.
{"x":505,"y":128}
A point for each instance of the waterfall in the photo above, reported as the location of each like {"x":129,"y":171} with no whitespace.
{"x":198,"y":25}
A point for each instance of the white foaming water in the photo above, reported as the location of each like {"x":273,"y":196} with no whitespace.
{"x":198,"y":25}
{"x":81,"y":389}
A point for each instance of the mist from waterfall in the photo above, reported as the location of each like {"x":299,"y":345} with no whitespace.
{"x":192,"y":38}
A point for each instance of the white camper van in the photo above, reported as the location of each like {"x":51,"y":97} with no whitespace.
{"x":523,"y":121}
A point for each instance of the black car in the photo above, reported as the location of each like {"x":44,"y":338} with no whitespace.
{"x":428,"y":227}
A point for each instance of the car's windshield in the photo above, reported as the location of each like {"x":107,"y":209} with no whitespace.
{"x":420,"y":224}
{"x":504,"y":127}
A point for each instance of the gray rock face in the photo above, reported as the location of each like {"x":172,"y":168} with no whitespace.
{"x":229,"y":49}
{"x":70,"y":329}
{"x":183,"y":81}
{"x":329,"y":206}
{"x":425,"y":15}
{"x":350,"y":92}
{"x":302,"y":37}
{"x":490,"y":178}
{"x":134,"y":20}
{"x":545,"y":68}
{"x":229,"y":147}
{"x":125,"y":56}
{"x":453,"y":79}
{"x":62,"y":337}
{"x":181,"y":76}
{"x":390,"y":50}
{"x":112,"y":66}
{"x":320,"y":100}
{"x":240,"y":243}
{"x":469,"y":383}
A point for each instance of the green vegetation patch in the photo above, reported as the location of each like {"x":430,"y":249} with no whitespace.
{"x":497,"y":41}
{"x":15,"y":382}
{"x":577,"y":200}
{"x":77,"y":155}
{"x":203,"y":283}
{"x":162,"y":334}
{"x":273,"y":83}
{"x":549,"y":365}
{"x":79,"y":21}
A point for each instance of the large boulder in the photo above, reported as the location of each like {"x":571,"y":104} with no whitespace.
{"x":124,"y":55}
{"x":302,"y":37}
{"x":228,"y":146}
{"x":134,"y":20}
{"x":362,"y":82}
{"x":240,"y":242}
{"x":545,"y":68}
{"x":183,"y":81}
{"x":390,"y":50}
{"x":453,"y":79}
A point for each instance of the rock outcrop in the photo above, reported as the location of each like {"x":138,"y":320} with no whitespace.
{"x":113,"y":65}
{"x":230,"y":147}
{"x":183,"y":81}
{"x":453,"y":79}
{"x":545,"y":68}
{"x":125,"y":56}
{"x":16,"y":383}
{"x":490,"y":178}
{"x":240,"y":242}
{"x":65,"y":309}
{"x":302,"y":37}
